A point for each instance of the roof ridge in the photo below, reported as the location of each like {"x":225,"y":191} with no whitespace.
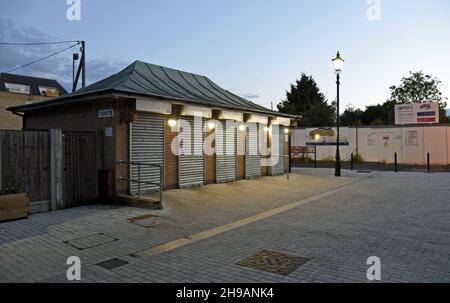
{"x":26,"y":76}
{"x":165,"y":67}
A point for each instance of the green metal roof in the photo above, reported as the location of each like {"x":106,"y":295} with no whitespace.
{"x":145,"y":79}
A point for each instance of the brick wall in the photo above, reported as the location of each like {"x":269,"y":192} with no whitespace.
{"x":170,"y":159}
{"x":7,"y":119}
{"x":240,"y":166}
{"x":286,"y":153}
{"x":121,"y":133}
{"x":210,"y":161}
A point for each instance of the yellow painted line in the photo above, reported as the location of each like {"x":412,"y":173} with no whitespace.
{"x":228,"y":227}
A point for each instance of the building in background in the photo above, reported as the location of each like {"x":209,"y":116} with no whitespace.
{"x":138,"y":113}
{"x":18,"y":90}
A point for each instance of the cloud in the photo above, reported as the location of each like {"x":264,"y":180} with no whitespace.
{"x":58,"y":67}
{"x":250,"y":96}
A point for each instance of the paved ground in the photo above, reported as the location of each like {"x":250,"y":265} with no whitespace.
{"x":203,"y":233}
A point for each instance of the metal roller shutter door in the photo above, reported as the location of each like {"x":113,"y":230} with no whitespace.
{"x":146,"y":146}
{"x":226,"y":150}
{"x":278,"y":151}
{"x":252,"y":152}
{"x":191,"y":168}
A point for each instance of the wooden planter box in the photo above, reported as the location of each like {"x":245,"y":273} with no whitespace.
{"x":14,"y":207}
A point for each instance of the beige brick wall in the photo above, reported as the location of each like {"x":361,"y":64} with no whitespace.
{"x":286,"y":159}
{"x":210,"y":162}
{"x":121,"y":134}
{"x":240,"y":165}
{"x":7,"y":119}
{"x":170,"y":159}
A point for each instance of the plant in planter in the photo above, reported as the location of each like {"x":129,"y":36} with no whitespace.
{"x":14,"y":203}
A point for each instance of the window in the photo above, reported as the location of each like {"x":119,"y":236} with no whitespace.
{"x":18,"y":88}
{"x":48,"y":91}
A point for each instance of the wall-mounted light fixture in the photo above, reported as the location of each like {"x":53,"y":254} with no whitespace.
{"x":241,"y":127}
{"x":211,"y":125}
{"x":286,"y":130}
{"x":266,"y":129}
{"x":172,"y":122}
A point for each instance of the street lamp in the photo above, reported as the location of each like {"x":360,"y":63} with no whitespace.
{"x":338,"y":63}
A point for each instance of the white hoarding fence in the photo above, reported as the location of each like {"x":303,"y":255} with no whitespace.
{"x":379,"y":144}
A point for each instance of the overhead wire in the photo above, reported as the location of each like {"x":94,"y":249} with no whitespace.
{"x":36,"y":43}
{"x":43,"y":58}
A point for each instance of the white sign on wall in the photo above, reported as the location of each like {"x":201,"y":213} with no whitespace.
{"x":412,"y":137}
{"x":108,"y":131}
{"x":417,"y":113}
{"x":106,"y":113}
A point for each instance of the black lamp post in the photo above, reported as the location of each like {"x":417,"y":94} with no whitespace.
{"x":338,"y":63}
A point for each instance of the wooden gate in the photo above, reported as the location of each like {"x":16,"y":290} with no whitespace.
{"x":25,"y":163}
{"x":82,"y":158}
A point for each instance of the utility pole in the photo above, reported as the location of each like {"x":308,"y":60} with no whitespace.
{"x":81,"y":68}
{"x":83,"y":63}
{"x":75,"y":57}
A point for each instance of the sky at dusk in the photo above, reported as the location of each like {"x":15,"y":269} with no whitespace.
{"x":254,"y":48}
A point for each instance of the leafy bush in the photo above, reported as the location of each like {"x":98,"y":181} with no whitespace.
{"x":305,"y":160}
{"x":11,"y":188}
{"x":328,"y":160}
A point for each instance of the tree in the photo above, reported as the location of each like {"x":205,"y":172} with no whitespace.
{"x":419,"y":88}
{"x":379,"y":114}
{"x":305,"y":99}
{"x":351,"y":116}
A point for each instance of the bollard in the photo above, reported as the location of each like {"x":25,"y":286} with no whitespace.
{"x":428,"y":163}
{"x":351,"y":162}
{"x":315,"y":156}
{"x":396,"y":163}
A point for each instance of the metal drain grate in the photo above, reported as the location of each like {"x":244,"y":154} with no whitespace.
{"x":90,"y":241}
{"x":274,"y":262}
{"x":112,"y":263}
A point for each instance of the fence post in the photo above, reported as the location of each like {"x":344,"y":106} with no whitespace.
{"x":396,"y":163}
{"x":315,"y":156}
{"x":428,"y":163}
{"x":351,"y":162}
{"x":56,"y":168}
{"x":288,"y":170}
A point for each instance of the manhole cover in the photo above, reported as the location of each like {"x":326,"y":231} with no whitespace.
{"x":274,"y":262}
{"x":90,"y":241}
{"x":140,"y":218}
{"x":112,"y":263}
